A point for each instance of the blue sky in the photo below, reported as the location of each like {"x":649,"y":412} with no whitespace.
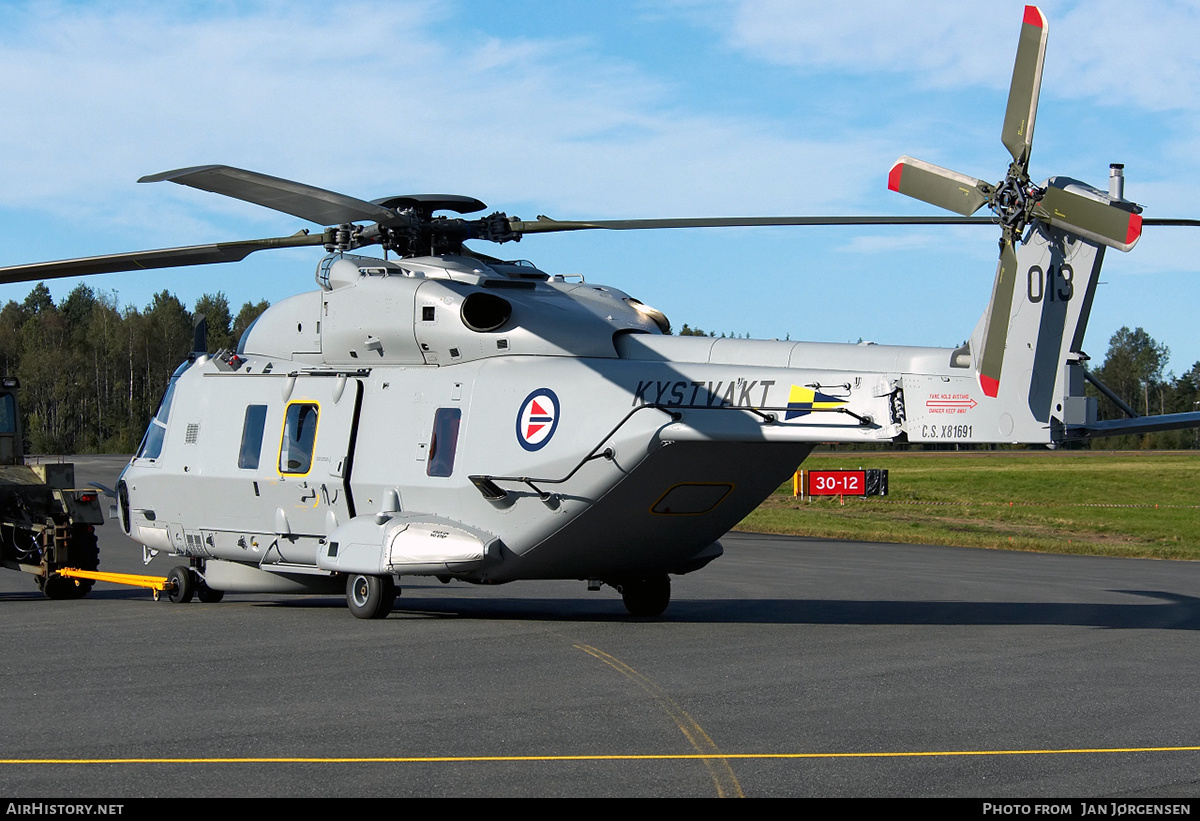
{"x":585,"y":110}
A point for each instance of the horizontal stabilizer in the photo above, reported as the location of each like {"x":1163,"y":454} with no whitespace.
{"x":1140,"y":424}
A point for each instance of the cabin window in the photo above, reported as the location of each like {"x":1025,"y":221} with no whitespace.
{"x":444,"y":442}
{"x":252,"y":437}
{"x":299,"y":437}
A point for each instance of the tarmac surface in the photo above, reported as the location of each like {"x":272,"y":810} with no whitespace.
{"x":788,"y":667}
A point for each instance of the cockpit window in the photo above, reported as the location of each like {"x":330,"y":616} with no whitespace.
{"x":299,"y":438}
{"x":152,"y":442}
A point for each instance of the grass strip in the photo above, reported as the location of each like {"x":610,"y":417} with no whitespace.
{"x":1136,"y":504}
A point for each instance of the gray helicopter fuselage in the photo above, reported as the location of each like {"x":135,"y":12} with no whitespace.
{"x":444,"y":417}
{"x":450,"y":417}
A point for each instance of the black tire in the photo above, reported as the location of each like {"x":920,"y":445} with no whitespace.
{"x":206,"y":594}
{"x":82,"y":554}
{"x":85,"y":554}
{"x":647,"y":597}
{"x":370,"y":597}
{"x":123,"y":502}
{"x":181,"y":585}
{"x":61,"y":587}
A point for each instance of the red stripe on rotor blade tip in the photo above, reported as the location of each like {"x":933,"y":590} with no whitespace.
{"x":1033,"y":17}
{"x":894,"y":176}
{"x":990,"y":386}
{"x":1135,"y":229}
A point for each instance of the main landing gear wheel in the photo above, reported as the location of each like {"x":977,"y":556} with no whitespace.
{"x":206,"y":594}
{"x":646,"y":597}
{"x":181,"y":584}
{"x":370,"y":597}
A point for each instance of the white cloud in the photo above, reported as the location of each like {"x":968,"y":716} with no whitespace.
{"x":1141,"y":56}
{"x":382,"y":102}
{"x":971,"y":247}
{"x":942,"y":43}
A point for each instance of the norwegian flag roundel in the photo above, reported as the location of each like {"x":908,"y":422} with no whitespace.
{"x":537,"y":419}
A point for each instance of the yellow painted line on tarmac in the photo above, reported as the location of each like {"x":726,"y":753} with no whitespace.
{"x":706,"y":750}
{"x":472,"y":759}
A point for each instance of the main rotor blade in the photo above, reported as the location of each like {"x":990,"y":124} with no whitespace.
{"x":295,"y":198}
{"x":1172,"y":221}
{"x":938,"y":186}
{"x":1017,"y":133}
{"x":999,"y":314}
{"x":162,"y":258}
{"x":545,"y":225}
{"x":1091,"y":219}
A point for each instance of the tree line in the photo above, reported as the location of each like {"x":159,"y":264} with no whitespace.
{"x":92,"y":372}
{"x":1133,"y":370}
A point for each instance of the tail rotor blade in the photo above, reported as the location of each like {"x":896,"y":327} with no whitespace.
{"x":939,"y":186}
{"x":1090,"y":218}
{"x":1017,"y":134}
{"x":999,"y":313}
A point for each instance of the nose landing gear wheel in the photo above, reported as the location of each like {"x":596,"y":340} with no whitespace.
{"x":181,"y":585}
{"x":370,"y":597}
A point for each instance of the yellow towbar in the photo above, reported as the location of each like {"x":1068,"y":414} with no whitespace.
{"x":155,"y":583}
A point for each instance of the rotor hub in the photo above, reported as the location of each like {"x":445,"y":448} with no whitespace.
{"x":1014,"y":199}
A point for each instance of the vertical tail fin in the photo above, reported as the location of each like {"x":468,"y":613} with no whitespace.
{"x":1027,"y":345}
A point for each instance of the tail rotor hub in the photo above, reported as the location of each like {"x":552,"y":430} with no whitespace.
{"x":1014,"y":200}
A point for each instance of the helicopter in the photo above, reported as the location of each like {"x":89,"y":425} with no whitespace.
{"x":445,"y":413}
